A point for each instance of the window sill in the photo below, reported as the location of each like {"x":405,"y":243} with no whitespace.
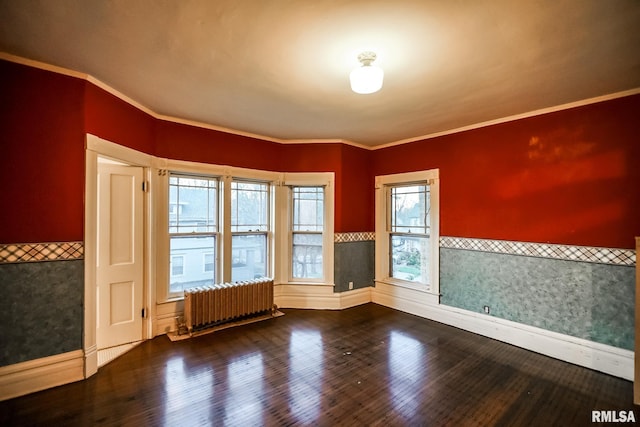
{"x":172,"y":299}
{"x":420,"y":287}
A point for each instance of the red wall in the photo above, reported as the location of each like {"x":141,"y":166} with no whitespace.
{"x":569,"y":177}
{"x":353,"y":202}
{"x":357,"y":186}
{"x":566,"y":177}
{"x":182,"y":142}
{"x":48,"y":114}
{"x":115,"y":120}
{"x":317,"y":158}
{"x":354,"y":182}
{"x":41,"y":155}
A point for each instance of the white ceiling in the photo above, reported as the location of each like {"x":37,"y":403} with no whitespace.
{"x":280,"y":68}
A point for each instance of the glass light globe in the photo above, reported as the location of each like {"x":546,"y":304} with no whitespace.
{"x":366,"y":79}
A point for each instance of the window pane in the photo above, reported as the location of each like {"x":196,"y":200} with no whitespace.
{"x":307,"y":256}
{"x":192,"y":204}
{"x":410,"y":209}
{"x":410,"y":258}
{"x":249,"y":206}
{"x":187,"y":255}
{"x":308,"y":208}
{"x":248,"y":257}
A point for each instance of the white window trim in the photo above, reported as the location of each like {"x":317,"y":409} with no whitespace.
{"x":278,"y":242}
{"x":247,"y":175}
{"x":382,"y":234}
{"x":163,"y":249}
{"x":284,"y":253}
{"x":225,"y":174}
{"x":290,"y":234}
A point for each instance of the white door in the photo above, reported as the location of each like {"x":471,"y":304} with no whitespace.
{"x":119,"y":257}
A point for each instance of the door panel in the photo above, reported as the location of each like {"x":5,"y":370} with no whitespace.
{"x":122,"y":229}
{"x":120,"y":255}
{"x":123,"y":311}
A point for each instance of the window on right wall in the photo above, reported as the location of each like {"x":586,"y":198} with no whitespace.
{"x":407,"y":230}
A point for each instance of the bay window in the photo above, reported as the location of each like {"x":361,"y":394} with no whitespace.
{"x":219,"y":224}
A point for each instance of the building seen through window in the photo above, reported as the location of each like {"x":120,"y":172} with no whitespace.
{"x":193,"y":231}
{"x":409,"y":232}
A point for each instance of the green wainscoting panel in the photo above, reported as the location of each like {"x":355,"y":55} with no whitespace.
{"x":353,"y":262}
{"x":582,"y":299}
{"x":41,"y":311}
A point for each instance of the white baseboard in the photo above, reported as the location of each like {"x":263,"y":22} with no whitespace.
{"x":39,"y":374}
{"x":319,"y":297}
{"x":600,"y":357}
{"x":315,"y":297}
{"x":355,"y":297}
{"x":164,"y":326}
{"x":90,"y":361}
{"x":165,"y":317}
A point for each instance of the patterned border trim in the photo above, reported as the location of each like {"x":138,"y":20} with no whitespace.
{"x":354,"y":237}
{"x":544,"y":250}
{"x":36,"y":252}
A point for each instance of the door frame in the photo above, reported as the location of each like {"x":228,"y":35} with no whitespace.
{"x":97,"y":147}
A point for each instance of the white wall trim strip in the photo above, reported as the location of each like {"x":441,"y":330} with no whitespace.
{"x":39,"y":374}
{"x":544,"y":250}
{"x":319,"y":297}
{"x":64,"y":71}
{"x":513,"y":118}
{"x":589,"y":354}
{"x":314,"y":297}
{"x":90,"y":361}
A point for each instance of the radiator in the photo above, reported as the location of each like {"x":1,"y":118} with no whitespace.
{"x":215,"y":304}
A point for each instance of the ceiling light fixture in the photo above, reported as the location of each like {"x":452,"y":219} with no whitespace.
{"x":367,"y":78}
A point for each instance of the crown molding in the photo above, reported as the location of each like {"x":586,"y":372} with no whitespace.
{"x":43,"y":66}
{"x":513,"y":118}
{"x":65,"y":71}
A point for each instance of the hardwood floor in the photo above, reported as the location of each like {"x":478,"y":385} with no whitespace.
{"x":368,"y":365}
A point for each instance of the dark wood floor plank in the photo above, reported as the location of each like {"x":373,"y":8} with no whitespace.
{"x":368,"y":365}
